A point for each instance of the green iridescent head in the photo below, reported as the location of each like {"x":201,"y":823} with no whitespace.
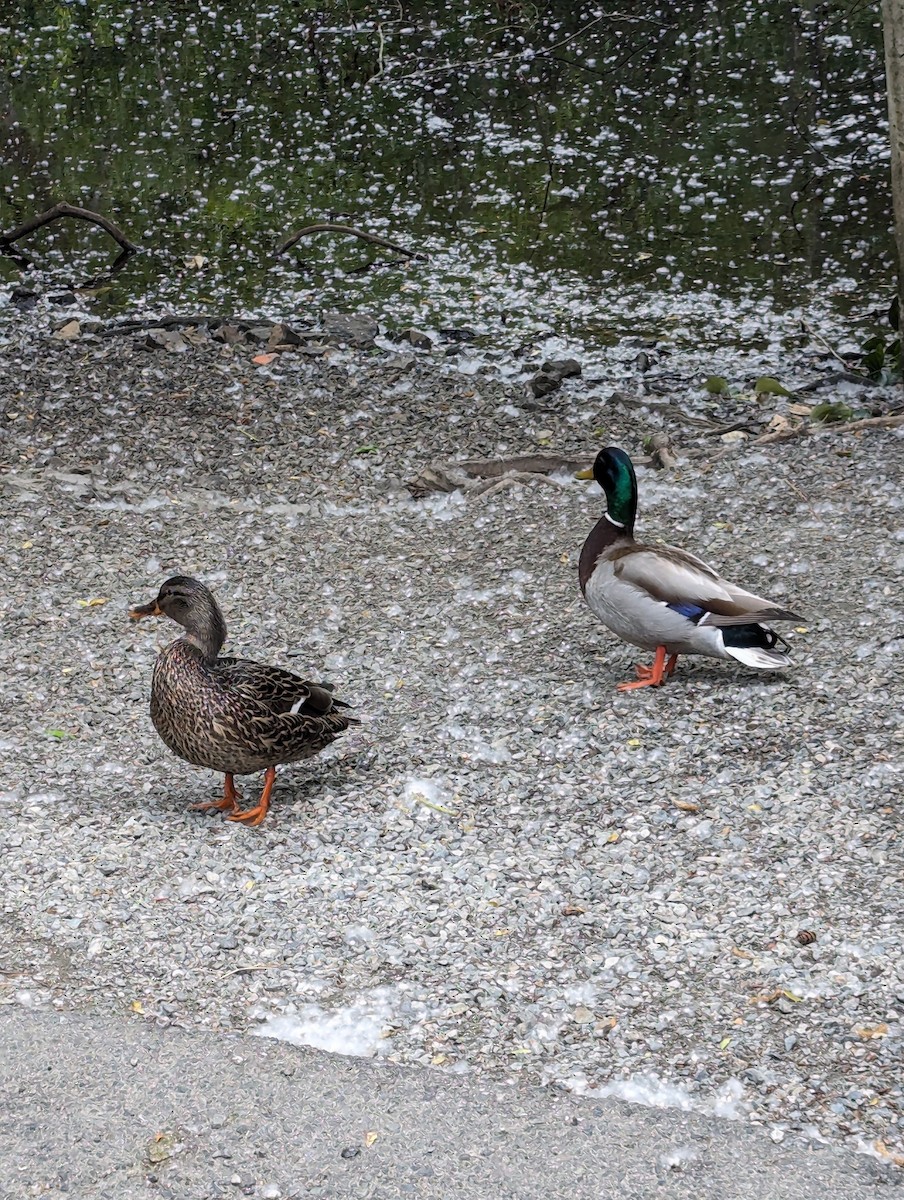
{"x":614,"y":472}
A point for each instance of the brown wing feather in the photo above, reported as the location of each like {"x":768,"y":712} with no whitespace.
{"x":260,"y":683}
{"x":296,"y":735}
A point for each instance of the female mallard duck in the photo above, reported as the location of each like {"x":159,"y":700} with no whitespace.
{"x":229,"y":714}
{"x":662,"y":598}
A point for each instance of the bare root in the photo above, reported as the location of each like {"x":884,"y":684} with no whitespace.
{"x":330,"y":227}
{"x":67,"y":210}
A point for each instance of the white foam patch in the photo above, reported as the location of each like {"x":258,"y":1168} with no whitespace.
{"x":678,"y":1158}
{"x":359,"y":1029}
{"x":430,"y":794}
{"x":443,"y":506}
{"x":651,"y":1091}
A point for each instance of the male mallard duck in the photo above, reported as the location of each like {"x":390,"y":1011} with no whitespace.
{"x":662,"y":598}
{"x":229,"y":714}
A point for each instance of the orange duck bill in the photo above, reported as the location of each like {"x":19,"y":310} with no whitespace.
{"x":137,"y":611}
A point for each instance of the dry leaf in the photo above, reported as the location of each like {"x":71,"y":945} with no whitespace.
{"x":800,"y":410}
{"x":370,"y":1138}
{"x":163,"y":1146}
{"x":871,"y":1031}
{"x":613,"y":837}
{"x":438,"y":1059}
{"x":264,"y":360}
{"x":742,"y":953}
{"x":95,"y":603}
{"x":686,"y":806}
{"x":766,"y":998}
{"x":137,"y":1007}
{"x":880,"y":1147}
{"x":195,"y":262}
{"x":573,"y":910}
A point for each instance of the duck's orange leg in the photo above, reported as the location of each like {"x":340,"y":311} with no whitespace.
{"x":254,"y":816}
{"x":230,"y":801}
{"x":653,"y":676}
{"x":647,"y":672}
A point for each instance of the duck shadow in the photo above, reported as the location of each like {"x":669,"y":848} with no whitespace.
{"x":688,"y":672}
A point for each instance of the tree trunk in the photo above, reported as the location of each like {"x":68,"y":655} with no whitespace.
{"x":893,"y":32}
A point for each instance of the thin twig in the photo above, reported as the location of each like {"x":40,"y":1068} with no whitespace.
{"x":831,"y":349}
{"x":96,"y":280}
{"x":330,"y":227}
{"x":67,"y":210}
{"x":780,"y":435}
{"x":380,"y":50}
{"x":505,"y":56}
{"x":803,"y":496}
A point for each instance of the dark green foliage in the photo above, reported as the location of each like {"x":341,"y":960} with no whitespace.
{"x":880,"y":357}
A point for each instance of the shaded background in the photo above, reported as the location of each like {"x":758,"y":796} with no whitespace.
{"x":597,"y":170}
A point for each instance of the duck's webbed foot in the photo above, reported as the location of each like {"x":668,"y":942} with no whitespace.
{"x":654,"y":676}
{"x":254,"y":816}
{"x":229,"y":803}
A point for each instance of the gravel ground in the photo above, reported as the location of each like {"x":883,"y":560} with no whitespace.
{"x":509,"y":866}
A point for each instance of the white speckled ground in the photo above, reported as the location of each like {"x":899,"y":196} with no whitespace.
{"x":509,"y":866}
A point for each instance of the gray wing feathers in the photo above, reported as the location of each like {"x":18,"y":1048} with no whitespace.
{"x":672,"y":576}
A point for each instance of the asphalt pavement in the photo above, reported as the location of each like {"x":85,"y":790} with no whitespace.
{"x":121,"y":1109}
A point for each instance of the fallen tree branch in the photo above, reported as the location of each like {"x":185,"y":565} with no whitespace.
{"x":532,"y":464}
{"x":67,"y":210}
{"x":489,"y":487}
{"x":780,"y":435}
{"x":173,"y":322}
{"x":491,"y":471}
{"x":486,"y":476}
{"x":330,"y":227}
{"x":671,"y":410}
{"x":889,"y":421}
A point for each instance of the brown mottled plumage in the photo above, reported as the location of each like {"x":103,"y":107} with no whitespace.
{"x":230,"y":714}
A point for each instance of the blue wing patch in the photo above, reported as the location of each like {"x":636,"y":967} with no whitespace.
{"x":693,"y":612}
